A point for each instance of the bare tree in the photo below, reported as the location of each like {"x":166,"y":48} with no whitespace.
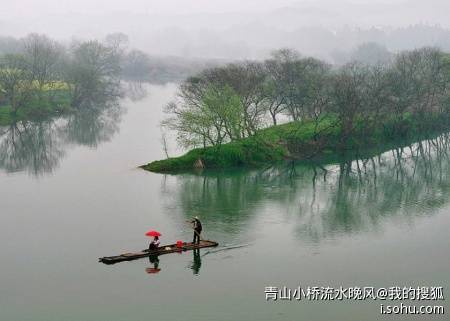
{"x":164,"y":143}
{"x":347,"y":94}
{"x":43,"y":57}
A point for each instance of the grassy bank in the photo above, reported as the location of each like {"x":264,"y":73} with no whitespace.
{"x":307,"y":140}
{"x":49,"y":105}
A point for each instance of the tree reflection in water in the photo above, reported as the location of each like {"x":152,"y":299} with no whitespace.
{"x":327,"y":200}
{"x":32,"y":146}
{"x":135,"y":90}
{"x":39,"y":146}
{"x":93,"y":127}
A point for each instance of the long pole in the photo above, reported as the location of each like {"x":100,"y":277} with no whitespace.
{"x":195,"y":231}
{"x":198,"y":234}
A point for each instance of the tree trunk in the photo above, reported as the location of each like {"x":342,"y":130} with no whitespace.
{"x":274,"y":117}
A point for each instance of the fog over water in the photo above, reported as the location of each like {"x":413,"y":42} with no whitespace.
{"x":91,"y":113}
{"x":237,"y":29}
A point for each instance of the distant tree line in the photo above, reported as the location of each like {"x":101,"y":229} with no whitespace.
{"x":235,"y":101}
{"x":368,"y":53}
{"x":41,"y":74}
{"x":135,"y":65}
{"x":140,"y":66}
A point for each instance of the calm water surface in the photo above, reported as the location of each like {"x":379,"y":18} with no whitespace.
{"x":70,"y":193}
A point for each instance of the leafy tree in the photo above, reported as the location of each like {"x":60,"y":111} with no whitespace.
{"x":214,"y":118}
{"x":232,"y":102}
{"x":246,"y":80}
{"x":15,"y":80}
{"x":92,"y":72}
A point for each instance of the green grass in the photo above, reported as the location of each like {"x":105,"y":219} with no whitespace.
{"x":302,"y":140}
{"x":56,"y":104}
{"x":6,"y":117}
{"x":246,"y":152}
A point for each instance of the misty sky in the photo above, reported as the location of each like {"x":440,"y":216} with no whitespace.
{"x":19,"y":8}
{"x":234,"y":28}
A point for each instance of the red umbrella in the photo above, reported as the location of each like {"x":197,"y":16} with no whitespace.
{"x":153,"y":233}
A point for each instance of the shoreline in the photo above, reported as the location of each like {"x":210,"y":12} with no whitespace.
{"x":56,"y":105}
{"x":296,"y":141}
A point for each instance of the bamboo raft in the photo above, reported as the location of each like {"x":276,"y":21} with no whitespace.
{"x":165,"y":249}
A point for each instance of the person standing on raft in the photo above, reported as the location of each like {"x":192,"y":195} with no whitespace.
{"x":197,"y":225}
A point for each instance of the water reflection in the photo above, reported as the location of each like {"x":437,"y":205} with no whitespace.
{"x":327,"y":200}
{"x":91,"y":128}
{"x":196,"y":262}
{"x":136,"y":90}
{"x":195,"y":265}
{"x":154,"y":260}
{"x":39,"y":146}
{"x":33,"y":146}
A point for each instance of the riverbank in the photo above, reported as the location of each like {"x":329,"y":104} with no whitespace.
{"x":54,"y":104}
{"x":307,"y":140}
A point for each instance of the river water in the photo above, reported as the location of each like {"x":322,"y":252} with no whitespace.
{"x":71,"y":192}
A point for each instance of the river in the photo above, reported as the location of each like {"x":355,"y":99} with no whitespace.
{"x":71,"y":192}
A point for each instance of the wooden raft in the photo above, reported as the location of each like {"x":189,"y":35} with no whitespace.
{"x":165,"y":249}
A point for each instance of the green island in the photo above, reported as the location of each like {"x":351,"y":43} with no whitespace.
{"x":297,"y":141}
{"x":228,"y":115}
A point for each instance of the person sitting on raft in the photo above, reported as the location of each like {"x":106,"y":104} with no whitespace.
{"x":154,"y":244}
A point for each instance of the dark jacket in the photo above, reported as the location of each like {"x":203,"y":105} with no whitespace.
{"x":197,"y":225}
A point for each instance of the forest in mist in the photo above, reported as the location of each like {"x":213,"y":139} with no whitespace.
{"x":240,"y":30}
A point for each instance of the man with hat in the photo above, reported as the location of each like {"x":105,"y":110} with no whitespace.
{"x":197,"y":225}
